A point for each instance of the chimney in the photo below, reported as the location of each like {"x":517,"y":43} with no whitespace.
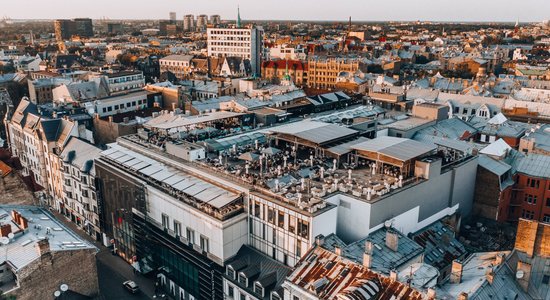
{"x":320,"y":240}
{"x":499,"y":259}
{"x":337,"y":250}
{"x":110,"y":119}
{"x":5,"y":229}
{"x":490,"y":275}
{"x":392,"y":239}
{"x":456,"y":271}
{"x":23,"y":223}
{"x":523,"y":274}
{"x":43,"y":247}
{"x":462,"y":296}
{"x":367,"y":255}
{"x":126,"y":120}
{"x":173,"y":106}
{"x":393,"y":275}
{"x":431,"y":293}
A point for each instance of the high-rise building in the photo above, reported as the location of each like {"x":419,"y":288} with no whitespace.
{"x":115,"y":28}
{"x":188,"y":23}
{"x":173,"y":17}
{"x":215,"y":20}
{"x":202,"y":21}
{"x":166,"y":27}
{"x":237,"y":42}
{"x":65,"y":29}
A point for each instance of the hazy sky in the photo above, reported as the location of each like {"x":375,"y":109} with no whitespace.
{"x":364,"y":10}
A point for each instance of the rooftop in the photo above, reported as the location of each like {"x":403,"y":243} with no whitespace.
{"x":20,"y":251}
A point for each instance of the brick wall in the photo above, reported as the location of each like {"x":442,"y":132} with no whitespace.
{"x":41,"y":278}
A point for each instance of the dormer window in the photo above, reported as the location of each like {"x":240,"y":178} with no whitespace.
{"x":258,"y":289}
{"x":275,"y":296}
{"x":243,"y":280}
{"x":230,"y":272}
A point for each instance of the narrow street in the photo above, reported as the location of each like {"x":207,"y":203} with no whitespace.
{"x":113,"y":271}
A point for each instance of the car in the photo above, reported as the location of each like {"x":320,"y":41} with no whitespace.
{"x":131,"y":286}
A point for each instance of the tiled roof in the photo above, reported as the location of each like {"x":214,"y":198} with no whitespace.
{"x":326,"y":275}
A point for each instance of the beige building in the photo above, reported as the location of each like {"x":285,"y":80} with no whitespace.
{"x":323,"y":73}
{"x":179,"y":65}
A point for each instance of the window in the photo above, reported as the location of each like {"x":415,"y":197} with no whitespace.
{"x":190,"y":235}
{"x":531,"y":199}
{"x":548,"y":202}
{"x":281,"y":219}
{"x":270,"y":215}
{"x":298,"y":248}
{"x":230,"y":291}
{"x":205,"y":244}
{"x":165,"y":221}
{"x":534,"y":183}
{"x":258,"y":289}
{"x":243,"y":280}
{"x":546,"y":279}
{"x":546,"y":219}
{"x":275,"y":296}
{"x":527,"y":214}
{"x":257,"y":209}
{"x":292,"y":224}
{"x":177,"y":228}
{"x":303,"y":228}
{"x":243,"y":297}
{"x":230,"y":272}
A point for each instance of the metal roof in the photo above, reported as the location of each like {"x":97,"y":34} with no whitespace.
{"x":398,"y":148}
{"x":535,"y":165}
{"x":493,"y":165}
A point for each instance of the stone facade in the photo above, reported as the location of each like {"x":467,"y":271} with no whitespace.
{"x":76,"y":268}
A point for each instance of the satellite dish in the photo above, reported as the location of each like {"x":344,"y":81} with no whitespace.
{"x":4,"y":240}
{"x":10,"y":235}
{"x":64,"y":287}
{"x":520,"y":274}
{"x":56,"y":294}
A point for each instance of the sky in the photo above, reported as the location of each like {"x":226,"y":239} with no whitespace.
{"x":359,"y":10}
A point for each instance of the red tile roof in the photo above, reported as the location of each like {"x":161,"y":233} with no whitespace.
{"x":281,"y":65}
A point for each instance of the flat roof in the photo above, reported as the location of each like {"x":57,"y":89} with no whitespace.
{"x":398,"y":148}
{"x":169,"y":121}
{"x":313,"y":131}
{"x":201,"y":190}
{"x":21,"y":249}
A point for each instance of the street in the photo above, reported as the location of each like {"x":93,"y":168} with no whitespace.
{"x":112,"y":271}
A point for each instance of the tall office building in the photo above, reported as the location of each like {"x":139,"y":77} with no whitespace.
{"x":202,"y":21}
{"x":215,"y":19}
{"x":65,"y":29}
{"x":188,"y":23}
{"x":237,"y":42}
{"x":173,"y":17}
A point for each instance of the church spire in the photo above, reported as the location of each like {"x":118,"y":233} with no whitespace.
{"x":238,"y":17}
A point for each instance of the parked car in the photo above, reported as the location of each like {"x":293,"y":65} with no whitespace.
{"x":131,"y":286}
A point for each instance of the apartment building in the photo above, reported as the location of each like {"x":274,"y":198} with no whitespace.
{"x":323,"y":73}
{"x":79,"y":200}
{"x":246,"y":43}
{"x":179,"y":65}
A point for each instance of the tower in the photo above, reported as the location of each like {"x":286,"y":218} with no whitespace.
{"x":238,"y":17}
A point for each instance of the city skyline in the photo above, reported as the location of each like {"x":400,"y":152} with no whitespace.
{"x":401,"y":10}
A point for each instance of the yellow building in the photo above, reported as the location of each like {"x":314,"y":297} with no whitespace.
{"x":322,"y":74}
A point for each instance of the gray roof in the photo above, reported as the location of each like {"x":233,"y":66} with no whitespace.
{"x":21,"y":250}
{"x":267,"y":271}
{"x":535,"y":165}
{"x":384,"y":259}
{"x":80,"y":154}
{"x":495,"y":166}
{"x":398,"y":148}
{"x":313,"y":131}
